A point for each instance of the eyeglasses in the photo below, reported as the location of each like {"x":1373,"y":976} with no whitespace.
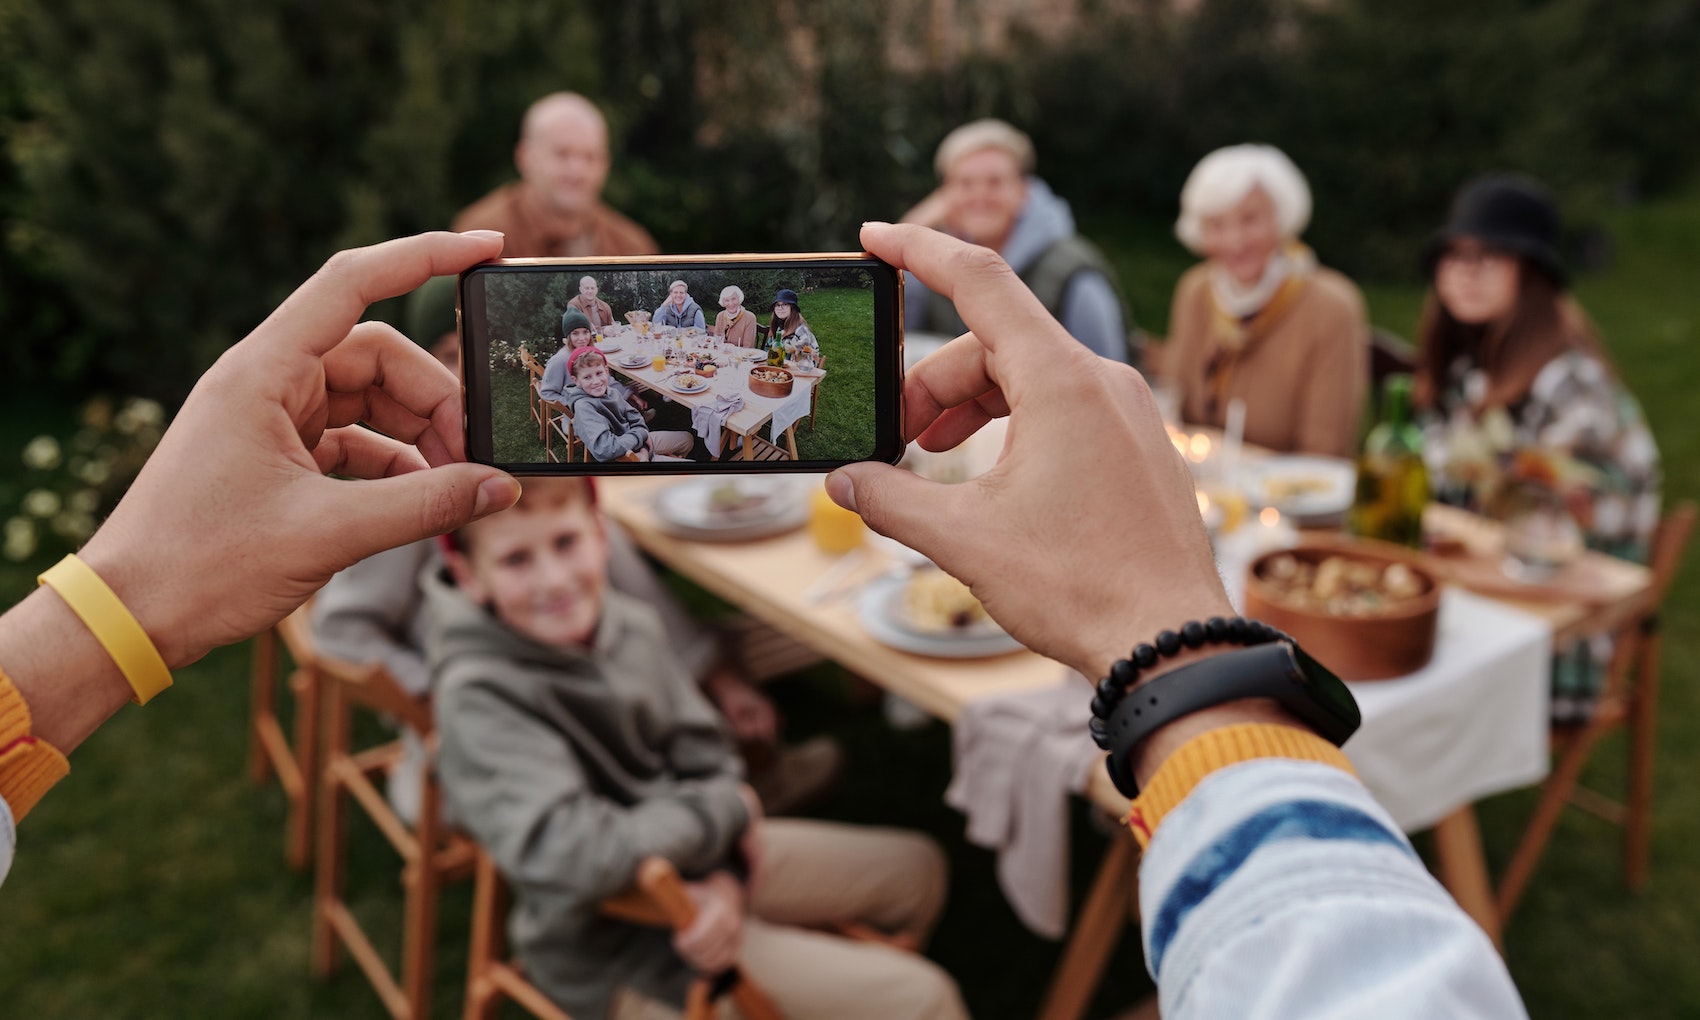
{"x":1474,"y":258}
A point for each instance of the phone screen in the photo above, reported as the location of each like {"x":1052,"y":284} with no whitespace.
{"x":670,"y":364}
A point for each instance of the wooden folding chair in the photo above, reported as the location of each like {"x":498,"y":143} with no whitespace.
{"x":559,"y":422}
{"x":658,"y":900}
{"x":432,"y":854}
{"x":814,"y":394}
{"x":1630,"y":698}
{"x":270,"y":752}
{"x":533,"y":394}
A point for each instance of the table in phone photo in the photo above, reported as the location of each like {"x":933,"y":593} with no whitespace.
{"x":731,"y":377}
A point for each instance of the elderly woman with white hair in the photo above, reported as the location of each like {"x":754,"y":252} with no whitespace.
{"x":735,"y":325}
{"x":1260,"y":320}
{"x":990,"y":197}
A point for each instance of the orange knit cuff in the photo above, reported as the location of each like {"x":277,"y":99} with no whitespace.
{"x":1217,"y":749}
{"x":29,"y":766}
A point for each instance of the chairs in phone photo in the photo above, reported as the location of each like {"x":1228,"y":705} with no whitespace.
{"x":534,"y":394}
{"x":558,"y":419}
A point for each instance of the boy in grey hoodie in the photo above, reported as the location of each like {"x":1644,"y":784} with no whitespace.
{"x":609,"y":426}
{"x":574,"y":745}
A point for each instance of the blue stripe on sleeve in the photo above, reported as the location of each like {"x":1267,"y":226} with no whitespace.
{"x":1302,"y":819}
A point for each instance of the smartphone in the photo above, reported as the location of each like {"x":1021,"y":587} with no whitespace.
{"x":685,"y":364}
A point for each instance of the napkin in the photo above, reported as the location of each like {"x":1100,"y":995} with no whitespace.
{"x":708,"y":417}
{"x":791,"y":409}
{"x":1018,"y":759}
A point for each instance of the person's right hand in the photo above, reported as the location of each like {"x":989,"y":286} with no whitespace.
{"x":1085,"y":538}
{"x":711,"y":942}
{"x":233,"y":523}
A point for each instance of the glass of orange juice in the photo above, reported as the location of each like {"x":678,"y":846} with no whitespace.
{"x":658,"y":363}
{"x":835,"y":529}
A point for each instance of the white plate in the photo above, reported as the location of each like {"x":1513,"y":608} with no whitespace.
{"x":680,"y":387}
{"x":881,"y":611}
{"x":685,"y":510}
{"x":609,"y":345}
{"x":752,"y":354}
{"x":632,"y":362}
{"x":1330,"y":484}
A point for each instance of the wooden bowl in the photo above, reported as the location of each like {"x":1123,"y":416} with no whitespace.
{"x":764,"y":388}
{"x":1389,"y":644}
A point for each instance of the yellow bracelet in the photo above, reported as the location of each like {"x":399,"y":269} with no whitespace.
{"x":113,"y":626}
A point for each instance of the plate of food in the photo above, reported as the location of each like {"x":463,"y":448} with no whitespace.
{"x":928,"y":612}
{"x":689,"y":382}
{"x":632,"y":360}
{"x":731,"y":509}
{"x":1301,"y":486}
{"x":752,"y":354}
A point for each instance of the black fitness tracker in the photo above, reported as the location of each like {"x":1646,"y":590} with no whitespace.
{"x":1279,"y":670}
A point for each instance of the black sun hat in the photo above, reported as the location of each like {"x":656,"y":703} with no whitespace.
{"x":1509,"y":212}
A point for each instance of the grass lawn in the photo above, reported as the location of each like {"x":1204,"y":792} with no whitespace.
{"x":151,"y":882}
{"x":844,"y":417}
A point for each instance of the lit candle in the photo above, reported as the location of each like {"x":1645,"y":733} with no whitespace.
{"x":1198,"y":448}
{"x":1271,"y":532}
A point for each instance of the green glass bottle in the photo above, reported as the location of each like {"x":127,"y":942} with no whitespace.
{"x":775,"y":350}
{"x":1392,"y":478}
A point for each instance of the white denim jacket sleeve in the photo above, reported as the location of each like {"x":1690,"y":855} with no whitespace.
{"x":1280,"y":889}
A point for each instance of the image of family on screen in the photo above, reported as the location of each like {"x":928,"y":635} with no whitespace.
{"x":630,"y":366}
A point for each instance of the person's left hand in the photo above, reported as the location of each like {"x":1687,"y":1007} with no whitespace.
{"x":233,"y":523}
{"x":711,"y":942}
{"x":749,"y":713}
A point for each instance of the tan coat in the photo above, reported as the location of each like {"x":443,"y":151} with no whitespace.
{"x":743,"y":333}
{"x":534,"y":231}
{"x":1303,"y":383}
{"x":596,"y":310}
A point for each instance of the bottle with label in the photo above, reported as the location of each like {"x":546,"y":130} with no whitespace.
{"x":775,"y":350}
{"x":1393,"y":483}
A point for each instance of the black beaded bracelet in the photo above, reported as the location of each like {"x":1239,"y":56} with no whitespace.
{"x":1124,"y":673}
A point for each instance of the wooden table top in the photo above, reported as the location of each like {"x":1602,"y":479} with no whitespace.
{"x":768,"y":579}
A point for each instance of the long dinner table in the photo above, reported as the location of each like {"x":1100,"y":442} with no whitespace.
{"x":731,"y":379}
{"x":770,"y":579}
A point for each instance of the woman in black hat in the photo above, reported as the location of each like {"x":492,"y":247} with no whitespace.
{"x":1521,"y":399}
{"x":789,"y":330}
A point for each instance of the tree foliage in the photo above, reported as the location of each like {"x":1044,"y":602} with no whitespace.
{"x":172,"y":170}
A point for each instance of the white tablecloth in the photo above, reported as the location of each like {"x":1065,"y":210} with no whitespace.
{"x":1473,"y":722}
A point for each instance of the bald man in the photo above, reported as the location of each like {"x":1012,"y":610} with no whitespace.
{"x":556,"y":208}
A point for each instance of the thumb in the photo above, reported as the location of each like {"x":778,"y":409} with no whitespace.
{"x":383,"y":513}
{"x":898,"y":504}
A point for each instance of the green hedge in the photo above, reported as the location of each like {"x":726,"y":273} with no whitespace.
{"x":173,"y":169}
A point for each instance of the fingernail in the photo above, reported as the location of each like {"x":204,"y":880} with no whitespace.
{"x":484,"y":235}
{"x":842,"y":490}
{"x":496,"y":493}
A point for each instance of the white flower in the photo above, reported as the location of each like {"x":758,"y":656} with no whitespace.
{"x":73,"y":527}
{"x":43,"y":503}
{"x":42,"y":453}
{"x":19,"y":544}
{"x":94,"y":472}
